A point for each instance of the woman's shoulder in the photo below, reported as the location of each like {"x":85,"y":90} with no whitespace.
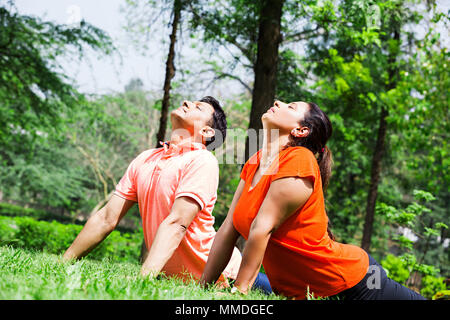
{"x":299,"y":159}
{"x":297,"y":152}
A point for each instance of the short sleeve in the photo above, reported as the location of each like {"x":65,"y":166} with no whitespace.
{"x":297,"y":162}
{"x":200,"y":179}
{"x":244,"y":172}
{"x":251,"y":161}
{"x":126,"y":188}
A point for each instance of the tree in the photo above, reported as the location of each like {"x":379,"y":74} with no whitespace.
{"x":258,"y":36}
{"x":250,"y":22}
{"x":170,"y":72}
{"x":411,"y":218}
{"x":34,"y":93}
{"x":392,"y":27}
{"x":177,"y":7}
{"x":37,"y":98}
{"x":359,"y":68}
{"x":269,"y":38}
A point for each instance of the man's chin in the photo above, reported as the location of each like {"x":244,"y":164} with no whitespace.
{"x":177,"y":113}
{"x":177,"y":118}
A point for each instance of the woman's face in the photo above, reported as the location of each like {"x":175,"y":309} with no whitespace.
{"x":285,"y":116}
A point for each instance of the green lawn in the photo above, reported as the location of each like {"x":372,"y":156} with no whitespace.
{"x":30,"y":275}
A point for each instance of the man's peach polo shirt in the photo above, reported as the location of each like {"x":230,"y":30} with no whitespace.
{"x":155,"y":178}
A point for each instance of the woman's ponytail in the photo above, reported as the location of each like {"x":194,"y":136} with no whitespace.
{"x":320,"y":131}
{"x":325,"y":162}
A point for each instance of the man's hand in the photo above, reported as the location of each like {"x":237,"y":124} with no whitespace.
{"x":169,"y":235}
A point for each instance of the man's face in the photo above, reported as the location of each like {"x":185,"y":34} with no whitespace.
{"x":192,"y":114}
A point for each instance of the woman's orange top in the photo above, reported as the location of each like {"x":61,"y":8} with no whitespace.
{"x":300,"y":254}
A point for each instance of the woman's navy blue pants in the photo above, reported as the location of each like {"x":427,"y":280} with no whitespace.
{"x":262,"y":283}
{"x":377,"y":286}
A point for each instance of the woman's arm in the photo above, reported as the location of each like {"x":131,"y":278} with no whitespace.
{"x":223,"y":244}
{"x":285,"y":196}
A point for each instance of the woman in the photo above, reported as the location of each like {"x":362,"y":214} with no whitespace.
{"x":278,"y":208}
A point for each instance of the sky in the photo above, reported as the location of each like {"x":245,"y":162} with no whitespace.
{"x":111,"y":73}
{"x":106,"y":74}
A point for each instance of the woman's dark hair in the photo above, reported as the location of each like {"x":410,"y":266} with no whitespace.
{"x":218,"y":123}
{"x":320,"y":131}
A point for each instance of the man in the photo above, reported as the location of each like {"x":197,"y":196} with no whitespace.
{"x":176,"y":189}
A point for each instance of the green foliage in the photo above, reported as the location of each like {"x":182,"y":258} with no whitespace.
{"x":344,"y":56}
{"x":401,"y":268}
{"x":7,"y":209}
{"x":221,"y":26}
{"x":397,"y":268}
{"x":37,"y":98}
{"x":63,"y":151}
{"x":33,"y":90}
{"x":54,"y":237}
{"x":348,"y":66}
{"x":442,"y":295}
{"x":79,"y":167}
{"x":431,"y":286}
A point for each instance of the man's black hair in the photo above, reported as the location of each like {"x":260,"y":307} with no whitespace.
{"x":218,"y":123}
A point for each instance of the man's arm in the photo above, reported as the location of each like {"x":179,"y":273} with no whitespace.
{"x":223,"y":245}
{"x":98,"y":227}
{"x":169,"y":235}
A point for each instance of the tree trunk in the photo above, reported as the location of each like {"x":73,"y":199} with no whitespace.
{"x":269,"y":38}
{"x":170,"y":73}
{"x":374,"y":180}
{"x":378,"y":154}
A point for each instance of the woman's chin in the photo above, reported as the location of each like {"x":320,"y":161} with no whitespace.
{"x":265,"y":115}
{"x":267,"y":118}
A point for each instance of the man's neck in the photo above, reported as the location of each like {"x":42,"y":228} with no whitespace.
{"x":181,"y":136}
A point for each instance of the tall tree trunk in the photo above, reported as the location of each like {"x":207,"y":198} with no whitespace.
{"x":379,"y":152}
{"x":170,"y":73}
{"x":269,"y":38}
{"x":374,"y":180}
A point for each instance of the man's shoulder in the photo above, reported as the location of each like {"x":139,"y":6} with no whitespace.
{"x":202,"y":154}
{"x":144,"y":155}
{"x":201,"y":158}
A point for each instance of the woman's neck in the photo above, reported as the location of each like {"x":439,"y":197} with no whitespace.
{"x":273,"y":143}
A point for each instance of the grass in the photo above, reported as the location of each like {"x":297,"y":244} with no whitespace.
{"x":35,"y":275}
